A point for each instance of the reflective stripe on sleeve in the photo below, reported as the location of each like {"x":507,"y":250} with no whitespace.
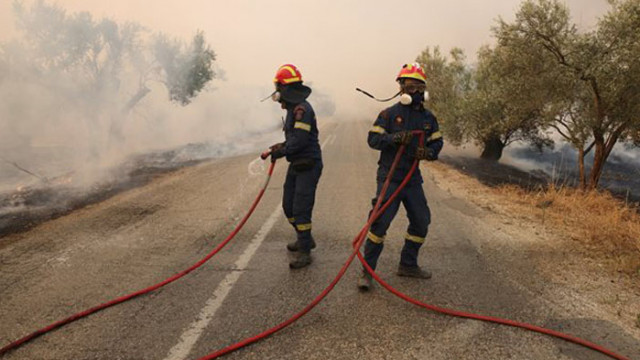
{"x":435,"y":136}
{"x":378,"y":129}
{"x":302,"y":126}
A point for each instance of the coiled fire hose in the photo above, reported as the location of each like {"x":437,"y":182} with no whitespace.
{"x":169,"y":280}
{"x":377,"y":211}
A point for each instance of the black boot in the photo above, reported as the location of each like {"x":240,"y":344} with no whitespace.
{"x":302,"y":259}
{"x":413,"y":271}
{"x":409,"y":261}
{"x":293,"y":246}
{"x":364,"y":281}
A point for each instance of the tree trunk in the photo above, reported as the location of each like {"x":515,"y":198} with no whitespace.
{"x":135,"y":99}
{"x":598,"y":163}
{"x":603,"y":150}
{"x":583,"y":180}
{"x":116,"y":135}
{"x":493,"y":147}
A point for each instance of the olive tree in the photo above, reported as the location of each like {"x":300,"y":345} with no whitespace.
{"x":101,"y":66}
{"x":592,"y":85}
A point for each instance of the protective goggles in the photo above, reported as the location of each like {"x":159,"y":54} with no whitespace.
{"x":412,"y":88}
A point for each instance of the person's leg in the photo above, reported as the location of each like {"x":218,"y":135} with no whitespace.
{"x":288,"y":195}
{"x":419,"y":216}
{"x":303,"y":202}
{"x":375,"y":237}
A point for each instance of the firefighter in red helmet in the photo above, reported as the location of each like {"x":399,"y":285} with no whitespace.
{"x":302,"y":150}
{"x":394,"y":127}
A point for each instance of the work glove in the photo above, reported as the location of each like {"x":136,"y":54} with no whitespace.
{"x":277,"y":151}
{"x":402,"y":137}
{"x":425,"y":153}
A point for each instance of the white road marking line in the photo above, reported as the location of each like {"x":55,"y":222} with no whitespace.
{"x":327,"y":140}
{"x":189,"y":338}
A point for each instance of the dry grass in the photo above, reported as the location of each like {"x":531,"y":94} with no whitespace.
{"x":604,"y":226}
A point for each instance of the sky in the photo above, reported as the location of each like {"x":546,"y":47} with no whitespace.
{"x":337,"y":45}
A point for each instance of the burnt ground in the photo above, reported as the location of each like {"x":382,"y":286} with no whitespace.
{"x":26,"y":207}
{"x":495,"y":173}
{"x":616,"y":178}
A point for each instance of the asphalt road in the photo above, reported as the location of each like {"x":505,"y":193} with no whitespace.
{"x":147,"y":234}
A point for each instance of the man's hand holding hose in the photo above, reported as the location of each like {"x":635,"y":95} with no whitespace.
{"x":276,"y":151}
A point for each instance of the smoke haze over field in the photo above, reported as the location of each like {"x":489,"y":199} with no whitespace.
{"x":337,"y":45}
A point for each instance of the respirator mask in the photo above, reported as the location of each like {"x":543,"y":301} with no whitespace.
{"x":413,"y":94}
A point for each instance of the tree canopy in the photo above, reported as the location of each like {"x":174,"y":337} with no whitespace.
{"x":543,"y":76}
{"x":101,"y":67}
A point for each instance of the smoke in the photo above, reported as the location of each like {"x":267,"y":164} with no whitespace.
{"x":81,"y":95}
{"x":335,"y":46}
{"x":560,"y":164}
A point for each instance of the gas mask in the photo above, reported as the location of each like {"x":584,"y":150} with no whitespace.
{"x":413,"y":94}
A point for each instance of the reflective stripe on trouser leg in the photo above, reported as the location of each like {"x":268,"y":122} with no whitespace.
{"x":372,"y":252}
{"x":379,"y":227}
{"x":289,"y":189}
{"x":419,"y":219}
{"x":409,"y":254}
{"x":418,"y":213}
{"x":375,"y":237}
{"x":304,"y":194}
{"x":292,"y":222}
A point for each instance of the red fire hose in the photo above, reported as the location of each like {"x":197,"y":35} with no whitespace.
{"x":343,"y":269}
{"x":171,"y":279}
{"x":357,"y":243}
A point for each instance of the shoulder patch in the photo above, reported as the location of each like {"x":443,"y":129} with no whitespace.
{"x":384,"y":114}
{"x":298,"y":112}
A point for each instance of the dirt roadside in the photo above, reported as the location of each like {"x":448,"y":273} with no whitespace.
{"x":576,"y":277}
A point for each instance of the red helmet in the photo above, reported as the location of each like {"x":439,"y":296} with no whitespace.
{"x":287,"y":74}
{"x":412,"y":71}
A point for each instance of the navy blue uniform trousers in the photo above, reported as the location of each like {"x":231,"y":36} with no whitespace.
{"x":415,"y":203}
{"x":298,"y":199}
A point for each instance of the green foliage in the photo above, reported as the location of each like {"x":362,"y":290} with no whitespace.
{"x":187,"y":69}
{"x":99,"y":54}
{"x":483,"y":104}
{"x":543,"y":74}
{"x":591,"y":83}
{"x":97,"y":69}
{"x":90,"y":53}
{"x":447,"y":82}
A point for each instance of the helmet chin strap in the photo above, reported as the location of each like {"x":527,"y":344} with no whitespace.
{"x":376,"y":99}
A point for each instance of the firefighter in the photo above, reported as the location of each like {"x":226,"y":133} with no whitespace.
{"x":302,"y":150}
{"x":393,"y":128}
